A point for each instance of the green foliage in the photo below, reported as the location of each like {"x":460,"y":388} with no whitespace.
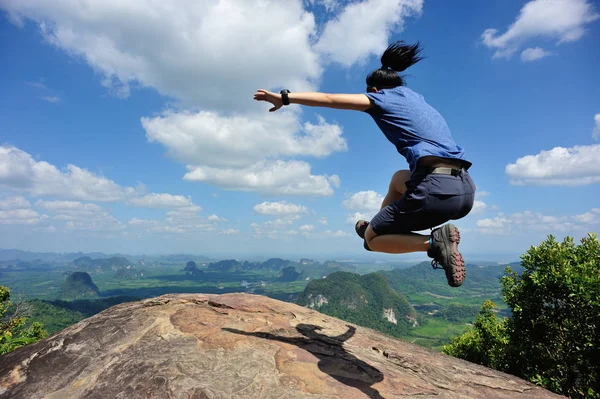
{"x":361,"y":300}
{"x":556,"y":305}
{"x":456,"y":312}
{"x":58,"y":315}
{"x":13,"y":333}
{"x":553,"y":335}
{"x":484,"y":343}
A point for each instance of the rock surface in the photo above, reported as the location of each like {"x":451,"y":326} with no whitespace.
{"x":198,"y":346}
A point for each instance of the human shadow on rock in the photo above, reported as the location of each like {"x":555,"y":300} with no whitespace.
{"x":333,"y":358}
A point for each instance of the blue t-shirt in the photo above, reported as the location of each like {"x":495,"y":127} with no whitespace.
{"x":413,"y":126}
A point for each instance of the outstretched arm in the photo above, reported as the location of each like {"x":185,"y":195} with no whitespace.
{"x":357,"y":102}
{"x":347,"y":335}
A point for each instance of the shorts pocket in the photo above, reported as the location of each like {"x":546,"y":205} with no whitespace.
{"x":445,"y":185}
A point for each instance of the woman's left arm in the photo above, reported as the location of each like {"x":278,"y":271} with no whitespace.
{"x":356,"y":102}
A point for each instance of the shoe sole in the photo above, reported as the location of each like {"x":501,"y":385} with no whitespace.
{"x":455,"y":273}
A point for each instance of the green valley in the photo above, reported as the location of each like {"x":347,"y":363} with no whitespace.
{"x":413,"y":303}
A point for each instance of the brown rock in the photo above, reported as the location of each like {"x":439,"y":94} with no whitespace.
{"x":238,"y":346}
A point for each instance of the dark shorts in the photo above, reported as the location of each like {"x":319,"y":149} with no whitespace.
{"x":429,"y":201}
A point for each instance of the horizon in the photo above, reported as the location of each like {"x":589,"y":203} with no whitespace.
{"x":131,"y":128}
{"x":340,"y":257}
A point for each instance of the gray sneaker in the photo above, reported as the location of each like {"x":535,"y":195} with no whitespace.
{"x":444,"y":251}
{"x":360,"y":227}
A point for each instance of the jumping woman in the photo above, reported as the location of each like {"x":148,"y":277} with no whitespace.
{"x":437,"y":187}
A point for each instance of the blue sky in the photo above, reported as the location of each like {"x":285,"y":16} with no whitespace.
{"x":129,"y":126}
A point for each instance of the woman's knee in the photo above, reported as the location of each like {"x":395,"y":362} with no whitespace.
{"x":369,"y":234}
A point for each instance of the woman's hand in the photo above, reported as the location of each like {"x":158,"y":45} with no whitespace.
{"x":273,"y":98}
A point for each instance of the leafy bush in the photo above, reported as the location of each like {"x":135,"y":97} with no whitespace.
{"x":13,"y":333}
{"x":553,"y":335}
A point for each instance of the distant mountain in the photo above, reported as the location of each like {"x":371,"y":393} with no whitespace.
{"x":102,"y":265}
{"x":178,"y":258}
{"x":16,"y":254}
{"x":192,"y":270}
{"x":27,"y":256}
{"x":32,"y":265}
{"x":79,"y":285}
{"x":276,"y":264}
{"x":128,"y":274}
{"x":423,"y":278}
{"x":367,"y":300}
{"x":289,"y":274}
{"x":229,"y":265}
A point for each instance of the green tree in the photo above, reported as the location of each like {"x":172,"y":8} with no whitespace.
{"x":13,"y":333}
{"x":485,"y":342}
{"x":553,"y":335}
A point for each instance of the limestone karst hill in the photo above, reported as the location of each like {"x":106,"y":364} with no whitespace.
{"x":238,"y":346}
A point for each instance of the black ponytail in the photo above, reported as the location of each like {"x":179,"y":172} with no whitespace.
{"x":396,"y":58}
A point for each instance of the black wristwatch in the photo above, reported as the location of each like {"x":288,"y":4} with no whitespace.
{"x":284,"y":97}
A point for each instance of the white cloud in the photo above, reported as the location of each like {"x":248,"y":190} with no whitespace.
{"x":364,"y":200}
{"x":215,"y":218}
{"x":335,"y":234}
{"x":162,"y":200}
{"x":363,"y":29}
{"x":20,"y":172}
{"x":356,"y":216}
{"x":218,"y":149}
{"x":596,"y":132}
{"x":478,"y":206}
{"x":19,"y":216}
{"x":17,"y":210}
{"x":322,"y":220}
{"x":72,"y":210}
{"x":307,"y":228}
{"x":267,"y":177}
{"x":181,"y":221}
{"x":367,"y":201}
{"x":560,"y":166}
{"x":102,"y":223}
{"x":186,"y":52}
{"x":80,"y":216}
{"x":139,"y":43}
{"x":528,"y":221}
{"x":532,"y":54}
{"x":209,"y":139}
{"x":14,"y":203}
{"x":560,"y":20}
{"x":272,"y":229}
{"x":229,"y":232}
{"x":281,"y":208}
{"x":50,"y":99}
{"x":495,"y":224}
{"x":36,"y":85}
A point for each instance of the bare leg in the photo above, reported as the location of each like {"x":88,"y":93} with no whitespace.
{"x":397,"y":243}
{"x":397,"y":187}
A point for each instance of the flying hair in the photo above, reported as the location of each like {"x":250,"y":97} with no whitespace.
{"x":399,"y":56}
{"x":396,"y":58}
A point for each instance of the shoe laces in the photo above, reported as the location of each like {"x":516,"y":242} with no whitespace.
{"x":436,"y":265}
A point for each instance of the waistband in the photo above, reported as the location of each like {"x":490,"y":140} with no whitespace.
{"x":440,"y":171}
